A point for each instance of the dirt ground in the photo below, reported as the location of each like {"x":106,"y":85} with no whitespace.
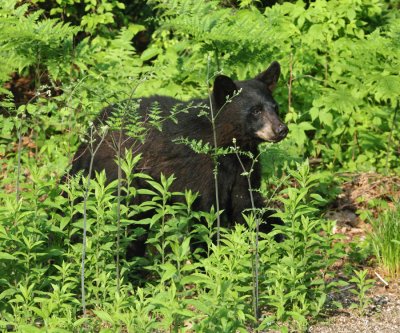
{"x":362,"y":192}
{"x":383,"y":317}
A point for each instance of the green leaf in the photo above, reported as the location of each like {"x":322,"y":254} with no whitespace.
{"x":104,"y":316}
{"x":80,"y":321}
{"x":318,"y":198}
{"x":7,"y":256}
{"x":325,"y":117}
{"x":197,"y":278}
{"x":150,"y":53}
{"x":297,"y":316}
{"x":169,"y":271}
{"x":29,"y":328}
{"x":386,"y":87}
{"x":7,"y":293}
{"x":297,"y":133}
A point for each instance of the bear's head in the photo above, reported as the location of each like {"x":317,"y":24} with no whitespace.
{"x":250,"y":106}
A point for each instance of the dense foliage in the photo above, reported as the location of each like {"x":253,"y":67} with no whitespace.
{"x":61,"y":62}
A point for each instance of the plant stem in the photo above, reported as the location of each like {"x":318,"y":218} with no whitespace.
{"x":17,"y":183}
{"x":119,"y":208}
{"x":215,"y":160}
{"x":255,"y":266}
{"x":390,"y":139}
{"x":290,"y":82}
{"x":85,"y":197}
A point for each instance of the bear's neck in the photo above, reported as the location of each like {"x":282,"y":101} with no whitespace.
{"x":229,"y":135}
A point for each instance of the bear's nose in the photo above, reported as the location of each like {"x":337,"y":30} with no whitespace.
{"x":282,"y":131}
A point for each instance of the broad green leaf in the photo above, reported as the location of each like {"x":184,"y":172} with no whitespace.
{"x":104,"y":316}
{"x":7,"y":256}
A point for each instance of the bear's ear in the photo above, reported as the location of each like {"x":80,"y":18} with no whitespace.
{"x":224,"y":88}
{"x":270,"y":76}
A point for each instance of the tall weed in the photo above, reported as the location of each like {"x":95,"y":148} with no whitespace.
{"x":385,"y":237}
{"x":296,"y":278}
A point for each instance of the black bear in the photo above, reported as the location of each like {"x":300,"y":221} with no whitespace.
{"x":247,"y":113}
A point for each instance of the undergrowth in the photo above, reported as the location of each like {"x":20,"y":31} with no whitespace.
{"x":173,"y":288}
{"x":385,"y":237}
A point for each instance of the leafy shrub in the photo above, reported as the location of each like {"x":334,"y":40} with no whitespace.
{"x":29,"y":42}
{"x":297,"y":279}
{"x":363,"y":284}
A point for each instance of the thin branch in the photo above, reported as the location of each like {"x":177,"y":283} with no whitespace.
{"x":86,"y":194}
{"x":214,"y":157}
{"x":381,"y":278}
{"x":256,"y":248}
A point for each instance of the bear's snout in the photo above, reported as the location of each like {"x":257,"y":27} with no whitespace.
{"x":281,"y":132}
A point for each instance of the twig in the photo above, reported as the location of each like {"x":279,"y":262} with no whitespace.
{"x":381,"y":278}
{"x":85,"y":198}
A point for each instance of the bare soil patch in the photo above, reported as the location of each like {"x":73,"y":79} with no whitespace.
{"x":375,"y":193}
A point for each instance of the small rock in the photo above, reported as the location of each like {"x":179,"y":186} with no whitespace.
{"x":343,"y":217}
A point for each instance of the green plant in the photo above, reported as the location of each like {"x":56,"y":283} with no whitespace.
{"x":363,"y":285}
{"x":96,"y":17}
{"x":296,"y":280}
{"x":28,"y":42}
{"x":359,"y":253}
{"x":385,"y":237}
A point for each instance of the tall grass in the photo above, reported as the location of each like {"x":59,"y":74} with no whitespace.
{"x":385,"y":238}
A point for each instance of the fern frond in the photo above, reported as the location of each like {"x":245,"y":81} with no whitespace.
{"x":26,"y":39}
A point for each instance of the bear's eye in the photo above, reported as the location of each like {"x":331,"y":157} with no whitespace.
{"x":256,"y":110}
